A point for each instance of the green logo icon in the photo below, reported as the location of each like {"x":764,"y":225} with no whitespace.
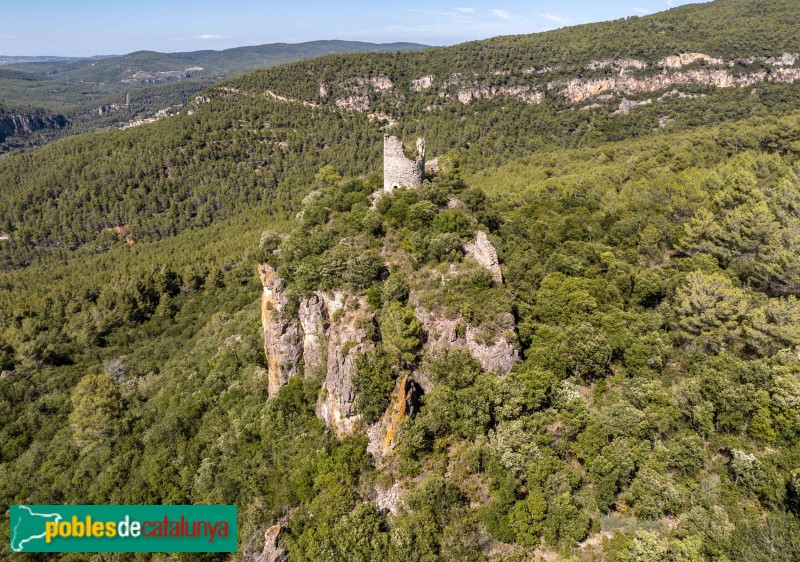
{"x":28,"y":526}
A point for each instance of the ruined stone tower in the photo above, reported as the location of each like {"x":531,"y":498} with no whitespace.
{"x":399,"y":171}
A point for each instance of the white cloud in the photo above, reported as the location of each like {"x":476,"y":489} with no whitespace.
{"x":209,"y":36}
{"x":502,"y":14}
{"x":553,"y":17}
{"x":465,"y":10}
{"x":641,"y":10}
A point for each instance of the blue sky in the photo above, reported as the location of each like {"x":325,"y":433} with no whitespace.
{"x":100,"y":27}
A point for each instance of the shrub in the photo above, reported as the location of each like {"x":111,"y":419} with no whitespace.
{"x":401,"y":332}
{"x":395,"y":289}
{"x":373,"y":382}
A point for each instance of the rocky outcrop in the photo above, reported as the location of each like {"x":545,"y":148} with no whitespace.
{"x":389,"y":498}
{"x":24,"y":125}
{"x":331,"y":332}
{"x":713,"y":72}
{"x":283,"y":341}
{"x":528,"y":94}
{"x":357,"y":92}
{"x":470,"y":91}
{"x":354,"y":103}
{"x":578,"y":90}
{"x":786,"y":59}
{"x":160,"y":114}
{"x":626,"y":105}
{"x":380,"y":83}
{"x":484,"y":253}
{"x":347,"y":339}
{"x":619,"y":65}
{"x":542,"y":70}
{"x":272,"y":552}
{"x":623,"y":77}
{"x":324,"y":334}
{"x":422,"y":83}
{"x":455,"y":203}
{"x":313,"y":317}
{"x":498,"y":354}
{"x":380,"y":116}
{"x":685,"y":59}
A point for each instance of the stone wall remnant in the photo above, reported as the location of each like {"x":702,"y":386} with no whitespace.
{"x":484,"y":253}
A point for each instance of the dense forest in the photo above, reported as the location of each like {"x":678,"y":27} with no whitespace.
{"x":649,"y":301}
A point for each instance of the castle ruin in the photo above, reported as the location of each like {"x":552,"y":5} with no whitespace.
{"x":399,"y":171}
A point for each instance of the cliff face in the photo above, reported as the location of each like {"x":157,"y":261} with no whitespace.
{"x":331,"y":330}
{"x":313,"y":316}
{"x":577,"y":90}
{"x":24,"y":125}
{"x":484,"y":253}
{"x":283,"y":343}
{"x":272,"y":551}
{"x":313,"y":339}
{"x":347,"y":339}
{"x":624,"y":76}
{"x":495,"y":352}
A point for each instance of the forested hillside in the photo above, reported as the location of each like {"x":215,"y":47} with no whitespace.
{"x":728,"y":30}
{"x":577,"y":340}
{"x":658,"y":379}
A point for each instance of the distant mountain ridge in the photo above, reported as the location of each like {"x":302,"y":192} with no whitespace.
{"x":7,"y":59}
{"x":139,"y":65}
{"x":103,"y":91}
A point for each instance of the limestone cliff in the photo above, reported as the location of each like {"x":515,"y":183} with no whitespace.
{"x":331,"y":330}
{"x":422,"y":83}
{"x":283,"y":342}
{"x":495,"y":352}
{"x":24,"y":125}
{"x":678,"y":70}
{"x":272,"y":552}
{"x":313,"y":316}
{"x":347,"y":339}
{"x":323,"y":334}
{"x":477,"y":91}
{"x":624,"y":76}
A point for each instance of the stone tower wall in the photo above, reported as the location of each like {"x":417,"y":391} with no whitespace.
{"x":399,"y":171}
